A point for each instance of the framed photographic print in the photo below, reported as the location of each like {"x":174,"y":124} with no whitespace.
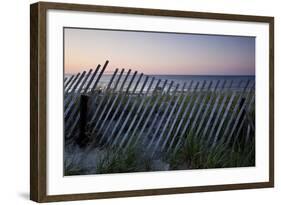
{"x":135,"y":102}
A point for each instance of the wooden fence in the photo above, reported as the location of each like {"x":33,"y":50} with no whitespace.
{"x":132,"y":109}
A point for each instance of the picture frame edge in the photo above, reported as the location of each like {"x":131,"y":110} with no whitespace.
{"x":37,"y":102}
{"x":156,"y":192}
{"x":38,"y":166}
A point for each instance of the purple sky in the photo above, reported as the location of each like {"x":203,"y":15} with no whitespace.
{"x":159,"y":53}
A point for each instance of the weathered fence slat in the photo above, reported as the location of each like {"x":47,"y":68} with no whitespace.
{"x":83,"y":113}
{"x":181,"y":106}
{"x":77,"y":83}
{"x":154,"y":118}
{"x":87,"y":86}
{"x":124,"y":123}
{"x":210,"y":117}
{"x":195,"y":105}
{"x":103,"y":97}
{"x":203,"y":102}
{"x":75,"y":114}
{"x":226,"y":112}
{"x":242,"y":121}
{"x":248,"y":134}
{"x":112,"y":104}
{"x":123,"y":110}
{"x":68,"y":98}
{"x":117,"y":109}
{"x":208,"y":104}
{"x":237,"y":120}
{"x":73,"y":127}
{"x":99,"y":76}
{"x":143,"y":115}
{"x":124,"y":139}
{"x":117,"y":124}
{"x":74,"y":97}
{"x":161,"y":135}
{"x":234,"y":113}
{"x":75,"y":111}
{"x":66,"y":83}
{"x":217,"y":117}
{"x":241,"y":126}
{"x":103,"y":122}
{"x":111,"y":95}
{"x":162,"y":118}
{"x":72,"y":107}
{"x":70,"y":85}
{"x":187,"y":108}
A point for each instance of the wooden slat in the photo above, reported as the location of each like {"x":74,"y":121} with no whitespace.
{"x":74,"y":115}
{"x":153,"y":117}
{"x":73,"y":127}
{"x":217,"y":117}
{"x":161,"y":135}
{"x":110,"y":106}
{"x":108,"y":103}
{"x":66,"y":83}
{"x":206,"y":110}
{"x":116,"y":110}
{"x":68,"y":98}
{"x":195,"y":105}
{"x":94,"y":97}
{"x":91,"y":79}
{"x":111,"y":96}
{"x":125,"y":138}
{"x":177,"y":116}
{"x":72,"y":107}
{"x":250,"y":121}
{"x":133,"y":107}
{"x":248,"y":134}
{"x":210,"y":117}
{"x":203,"y":102}
{"x":162,"y":118}
{"x":75,"y":112}
{"x":92,"y":89}
{"x":103,"y":122}
{"x":234,"y":113}
{"x":237,"y":120}
{"x":187,"y":108}
{"x":67,"y":89}
{"x":226,"y":113}
{"x":77,"y":83}
{"x":75,"y":96}
{"x":119,"y":121}
{"x":143,"y":115}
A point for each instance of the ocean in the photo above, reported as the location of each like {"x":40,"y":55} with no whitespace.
{"x":211,"y":81}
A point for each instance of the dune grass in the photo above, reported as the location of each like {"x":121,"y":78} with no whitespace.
{"x":197,"y":154}
{"x":132,"y":160}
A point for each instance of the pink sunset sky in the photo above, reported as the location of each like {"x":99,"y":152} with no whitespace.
{"x":158,"y":53}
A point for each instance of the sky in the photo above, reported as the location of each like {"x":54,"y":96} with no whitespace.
{"x":158,"y":53}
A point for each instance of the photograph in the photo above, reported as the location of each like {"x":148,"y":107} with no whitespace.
{"x":141,"y":101}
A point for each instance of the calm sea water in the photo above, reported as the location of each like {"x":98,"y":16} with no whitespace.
{"x":191,"y":81}
{"x":233,"y":82}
